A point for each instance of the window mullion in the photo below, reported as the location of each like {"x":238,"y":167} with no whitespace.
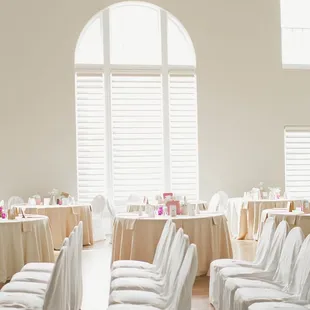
{"x":165,"y":92}
{"x":108,"y":115}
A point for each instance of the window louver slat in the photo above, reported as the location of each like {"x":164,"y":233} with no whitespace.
{"x":183,"y":134}
{"x":137,"y":135}
{"x":297,"y":161}
{"x":90,"y":115}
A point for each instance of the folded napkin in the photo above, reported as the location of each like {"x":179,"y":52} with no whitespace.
{"x":216,"y":220}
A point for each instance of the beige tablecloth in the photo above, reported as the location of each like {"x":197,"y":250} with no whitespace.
{"x":135,"y":207}
{"x":244,"y":217}
{"x":293,"y":218}
{"x":23,"y":241}
{"x":63,"y":219}
{"x":136,"y":238}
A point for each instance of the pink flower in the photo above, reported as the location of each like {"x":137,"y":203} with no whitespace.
{"x":3,"y":215}
{"x":1,"y":209}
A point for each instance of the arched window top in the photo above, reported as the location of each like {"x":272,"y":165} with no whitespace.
{"x":136,"y":32}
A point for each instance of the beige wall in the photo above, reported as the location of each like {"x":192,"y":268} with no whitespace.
{"x":244,"y":96}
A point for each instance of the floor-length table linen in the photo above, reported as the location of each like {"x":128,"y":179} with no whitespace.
{"x":294,"y":219}
{"x":244,"y":216}
{"x":63,"y":219}
{"x":136,"y":238}
{"x":23,"y":241}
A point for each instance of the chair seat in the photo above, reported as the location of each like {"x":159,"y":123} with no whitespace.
{"x":39,"y":267}
{"x":132,"y":264}
{"x":21,"y":300}
{"x":275,"y":306}
{"x":137,"y":284}
{"x":130,"y":307}
{"x":137,"y":298}
{"x":29,"y":288}
{"x":134,"y":273}
{"x":30,"y":276}
{"x":244,"y":297}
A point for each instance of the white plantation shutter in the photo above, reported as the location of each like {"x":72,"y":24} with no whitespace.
{"x":90,"y":116}
{"x":183,"y":134}
{"x":297,"y":161}
{"x":137,"y":135}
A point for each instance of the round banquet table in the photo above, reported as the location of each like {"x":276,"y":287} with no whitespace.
{"x":136,"y":207}
{"x":23,"y":241}
{"x":63,"y":219}
{"x":136,"y":237}
{"x":244,"y":216}
{"x":296,"y":218}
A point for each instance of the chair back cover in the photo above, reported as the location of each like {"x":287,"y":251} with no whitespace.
{"x":57,"y":293}
{"x":177,"y":240}
{"x":277,"y":243}
{"x":186,"y":278}
{"x":177,"y":259}
{"x":288,"y":256}
{"x":80,"y":277}
{"x":214,"y":203}
{"x":161,"y":244}
{"x":300,"y":283}
{"x":134,"y":198}
{"x":73,"y":268}
{"x":98,"y":204}
{"x":111,"y":210}
{"x":223,"y":206}
{"x":14,"y":200}
{"x":264,"y":243}
{"x":167,"y":250}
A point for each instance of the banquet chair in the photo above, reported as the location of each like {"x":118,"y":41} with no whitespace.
{"x":55,"y":297}
{"x":152,"y":273}
{"x":278,"y":280}
{"x":154,"y":283}
{"x":98,"y":206}
{"x":179,"y":297}
{"x":163,"y":245}
{"x":15,"y":200}
{"x":297,"y":291}
{"x":214,"y":203}
{"x":261,"y":257}
{"x":277,"y":305}
{"x":161,"y":287}
{"x":223,"y":205}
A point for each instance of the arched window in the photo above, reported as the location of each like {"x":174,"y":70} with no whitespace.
{"x":136,"y":105}
{"x":295,"y":25}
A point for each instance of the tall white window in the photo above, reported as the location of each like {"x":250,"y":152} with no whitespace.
{"x":297,"y":161}
{"x":295,"y":23}
{"x":136,"y":105}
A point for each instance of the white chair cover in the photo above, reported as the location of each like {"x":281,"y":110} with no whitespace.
{"x":275,"y":306}
{"x":98,"y":206}
{"x":169,"y":282}
{"x":298,"y":288}
{"x":223,"y":205}
{"x":158,"y":258}
{"x":281,"y":277}
{"x":260,"y":258}
{"x":214,"y":203}
{"x":150,"y":273}
{"x":80,"y":273}
{"x":14,"y":200}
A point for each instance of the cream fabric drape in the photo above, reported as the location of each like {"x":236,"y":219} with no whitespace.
{"x":23,"y":241}
{"x":136,"y":238}
{"x":244,"y":217}
{"x":63,"y":219}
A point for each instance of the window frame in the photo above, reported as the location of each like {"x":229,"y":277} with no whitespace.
{"x":107,"y":69}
